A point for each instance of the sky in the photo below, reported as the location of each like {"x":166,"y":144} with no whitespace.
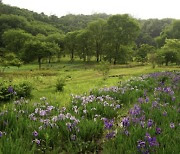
{"x":143,"y":9}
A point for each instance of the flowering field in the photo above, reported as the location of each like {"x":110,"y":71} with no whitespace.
{"x":141,"y":115}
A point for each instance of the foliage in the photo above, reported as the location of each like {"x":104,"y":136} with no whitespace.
{"x":106,"y":37}
{"x":97,"y":30}
{"x":152,"y":58}
{"x":84,"y":45}
{"x":60,"y":84}
{"x":122,"y":31}
{"x":36,"y":49}
{"x":70,"y":43}
{"x":10,"y":91}
{"x":9,"y":59}
{"x":104,"y":69}
{"x":143,"y":51}
{"x":171,"y":51}
{"x":14,"y":40}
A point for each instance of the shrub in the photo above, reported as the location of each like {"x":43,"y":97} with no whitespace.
{"x":60,"y":84}
{"x":5,"y":93}
{"x":24,"y":89}
{"x":103,"y":68}
{"x":9,"y":91}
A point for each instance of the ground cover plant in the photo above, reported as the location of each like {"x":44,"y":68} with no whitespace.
{"x":140,"y":115}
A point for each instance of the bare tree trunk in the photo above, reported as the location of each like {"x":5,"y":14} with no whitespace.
{"x":49,"y":60}
{"x":72,"y":55}
{"x":114,"y":61}
{"x":39,"y":62}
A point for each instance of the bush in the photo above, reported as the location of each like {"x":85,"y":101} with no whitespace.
{"x":9,"y":91}
{"x":103,"y":68}
{"x":60,"y":84}
{"x":24,"y":89}
{"x":5,"y":93}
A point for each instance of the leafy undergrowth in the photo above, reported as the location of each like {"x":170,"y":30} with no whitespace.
{"x":138,"y":116}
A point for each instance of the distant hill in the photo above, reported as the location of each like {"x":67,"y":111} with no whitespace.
{"x":65,"y":23}
{"x":36,"y":23}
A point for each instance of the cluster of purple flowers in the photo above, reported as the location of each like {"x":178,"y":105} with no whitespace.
{"x":108,"y":123}
{"x":110,"y":135}
{"x":126,"y":122}
{"x":148,"y":144}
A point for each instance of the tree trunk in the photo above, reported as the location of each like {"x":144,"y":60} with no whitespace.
{"x":97,"y":56}
{"x":84,"y":58}
{"x":49,"y":60}
{"x":72,"y":55}
{"x":58,"y":56}
{"x":97,"y":52}
{"x":114,"y":61}
{"x":166,"y":63}
{"x":115,"y":58}
{"x":39,"y":62}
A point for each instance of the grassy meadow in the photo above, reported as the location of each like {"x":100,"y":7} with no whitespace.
{"x":127,"y":112}
{"x":79,"y":77}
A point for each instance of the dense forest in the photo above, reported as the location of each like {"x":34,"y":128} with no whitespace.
{"x":26,"y":36}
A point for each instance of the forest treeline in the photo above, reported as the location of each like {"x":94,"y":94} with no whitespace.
{"x":26,"y":36}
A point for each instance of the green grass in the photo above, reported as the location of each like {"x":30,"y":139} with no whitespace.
{"x":80,"y":78}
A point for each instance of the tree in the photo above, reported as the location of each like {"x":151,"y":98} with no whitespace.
{"x":52,"y":48}
{"x":153,"y":27}
{"x":174,"y":30}
{"x":84,"y":42}
{"x":10,"y":59}
{"x":14,"y":39}
{"x":169,"y":32}
{"x":122,"y":30}
{"x":11,"y":22}
{"x":37,"y":27}
{"x":57,"y":38}
{"x":34,"y":49}
{"x":143,"y":51}
{"x":70,"y":43}
{"x":171,"y":51}
{"x":97,"y":29}
{"x":145,"y":38}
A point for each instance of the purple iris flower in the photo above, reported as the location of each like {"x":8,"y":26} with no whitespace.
{"x":150,"y":123}
{"x":10,"y":89}
{"x":125,"y":122}
{"x":172,"y":125}
{"x":110,"y":135}
{"x":35,"y":133}
{"x":158,"y":130}
{"x":108,"y":123}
